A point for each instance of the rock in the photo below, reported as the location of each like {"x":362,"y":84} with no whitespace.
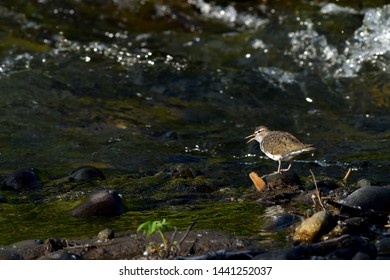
{"x":282,"y":222}
{"x":362,"y":249}
{"x":369,"y":198}
{"x":9,"y":255}
{"x":354,"y":225}
{"x":102,"y":203}
{"x":22,"y":179}
{"x":106,"y":234}
{"x":182,"y":171}
{"x":282,"y":180}
{"x":86,"y":173}
{"x":383,"y":246}
{"x":223,"y":255}
{"x":60,"y":255}
{"x":346,"y":247}
{"x":363,"y":183}
{"x":314,"y":227}
{"x":3,"y":199}
{"x":324,"y":185}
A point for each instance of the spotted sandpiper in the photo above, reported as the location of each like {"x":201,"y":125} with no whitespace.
{"x":279,"y":145}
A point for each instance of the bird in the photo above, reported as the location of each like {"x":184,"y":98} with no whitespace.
{"x":278,"y":145}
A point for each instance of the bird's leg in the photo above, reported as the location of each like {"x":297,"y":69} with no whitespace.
{"x":279,"y":171}
{"x":275,"y":172}
{"x":287,"y":169}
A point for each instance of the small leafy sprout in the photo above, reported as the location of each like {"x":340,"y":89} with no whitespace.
{"x":151,"y":227}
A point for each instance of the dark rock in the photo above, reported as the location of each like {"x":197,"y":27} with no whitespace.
{"x":22,"y":179}
{"x":282,"y":222}
{"x":346,"y":247}
{"x":224,"y":255}
{"x":3,"y":199}
{"x":325,"y":185}
{"x":9,"y":255}
{"x":314,"y":227}
{"x":295,"y":253}
{"x":27,"y":249}
{"x":282,"y":180}
{"x":369,"y":198}
{"x":354,"y":225}
{"x":60,"y":255}
{"x":103,"y":203}
{"x":383,"y":246}
{"x":361,"y":250}
{"x":182,"y":171}
{"x":86,"y":173}
{"x":55,"y":244}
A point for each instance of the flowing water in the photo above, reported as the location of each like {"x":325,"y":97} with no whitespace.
{"x":134,"y":86}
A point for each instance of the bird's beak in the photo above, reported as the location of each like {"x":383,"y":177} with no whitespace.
{"x":252,"y":137}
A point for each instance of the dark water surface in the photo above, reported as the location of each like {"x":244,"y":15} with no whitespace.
{"x":135,"y":86}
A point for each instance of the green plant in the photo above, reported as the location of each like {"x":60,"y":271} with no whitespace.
{"x":151,"y":227}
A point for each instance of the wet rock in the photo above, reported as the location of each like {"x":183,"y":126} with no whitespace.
{"x":277,"y":218}
{"x":102,"y":203}
{"x":22,"y":179}
{"x":383,"y":246}
{"x":346,"y":247}
{"x":60,"y":255}
{"x":190,"y":185}
{"x":369,"y":198}
{"x":27,"y":249}
{"x":55,"y":244}
{"x":325,"y":185}
{"x":361,"y":250}
{"x":314,"y":227}
{"x":355,"y":225}
{"x":363,"y":183}
{"x":86,"y":173}
{"x":9,"y":255}
{"x":3,"y":199}
{"x":224,"y":255}
{"x":106,"y":234}
{"x":282,"y":180}
{"x":182,"y":171}
{"x":282,"y":222}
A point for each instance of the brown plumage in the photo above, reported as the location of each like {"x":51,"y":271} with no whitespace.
{"x":279,"y":145}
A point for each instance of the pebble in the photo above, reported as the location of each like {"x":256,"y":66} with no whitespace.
{"x":106,"y":234}
{"x":102,"y":203}
{"x":314,"y":227}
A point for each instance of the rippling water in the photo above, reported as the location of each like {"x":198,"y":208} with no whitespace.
{"x":135,"y":85}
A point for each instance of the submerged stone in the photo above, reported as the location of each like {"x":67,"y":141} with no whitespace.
{"x":22,"y":179}
{"x":102,"y":203}
{"x":86,"y":173}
